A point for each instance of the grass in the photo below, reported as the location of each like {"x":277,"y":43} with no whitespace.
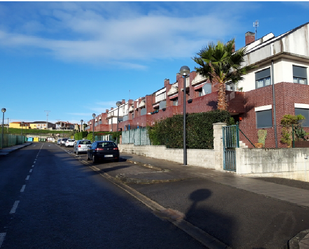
{"x":16,"y":131}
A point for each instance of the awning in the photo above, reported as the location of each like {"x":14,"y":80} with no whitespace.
{"x":173,"y":96}
{"x":199,"y":86}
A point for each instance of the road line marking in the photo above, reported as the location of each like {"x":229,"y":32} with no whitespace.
{"x":13,"y":210}
{"x":30,"y":171}
{"x":27,"y":178}
{"x":2,"y":237}
{"x":23,"y":188}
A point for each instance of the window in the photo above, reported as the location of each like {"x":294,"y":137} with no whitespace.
{"x":305,"y":113}
{"x":143,"y":111}
{"x":299,"y":75}
{"x":264,"y":119}
{"x":162,"y":104}
{"x":175,"y":102}
{"x":262,"y":78}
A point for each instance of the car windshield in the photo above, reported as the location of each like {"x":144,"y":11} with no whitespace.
{"x":106,"y":145}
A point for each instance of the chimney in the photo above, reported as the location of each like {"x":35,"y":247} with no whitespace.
{"x":250,"y":37}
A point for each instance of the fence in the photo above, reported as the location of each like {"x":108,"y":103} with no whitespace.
{"x":274,"y":137}
{"x":107,"y":137}
{"x":136,"y":137}
{"x":11,"y":140}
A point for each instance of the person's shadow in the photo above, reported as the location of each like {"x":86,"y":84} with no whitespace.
{"x":202,"y":215}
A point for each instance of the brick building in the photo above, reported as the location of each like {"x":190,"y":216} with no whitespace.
{"x":277,"y":86}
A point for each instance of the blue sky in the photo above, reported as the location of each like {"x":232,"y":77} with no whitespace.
{"x":73,"y":59}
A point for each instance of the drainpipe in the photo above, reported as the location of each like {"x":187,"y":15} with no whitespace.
{"x":274,"y":101}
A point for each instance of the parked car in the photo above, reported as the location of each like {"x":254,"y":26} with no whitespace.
{"x":59,"y":141}
{"x":81,"y":146}
{"x":63,"y":140}
{"x":103,"y":150}
{"x":69,"y":142}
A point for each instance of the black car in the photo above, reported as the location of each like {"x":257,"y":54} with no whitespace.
{"x":103,"y":150}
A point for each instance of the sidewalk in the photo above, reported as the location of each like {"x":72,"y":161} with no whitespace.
{"x":155,"y":170}
{"x":8,"y":150}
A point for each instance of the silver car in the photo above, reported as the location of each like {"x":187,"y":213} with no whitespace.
{"x":81,"y":146}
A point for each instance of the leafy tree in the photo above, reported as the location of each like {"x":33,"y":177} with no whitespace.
{"x":221,"y":64}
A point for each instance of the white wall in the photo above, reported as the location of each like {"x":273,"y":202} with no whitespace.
{"x":195,"y":157}
{"x":291,"y":163}
{"x":212,"y":159}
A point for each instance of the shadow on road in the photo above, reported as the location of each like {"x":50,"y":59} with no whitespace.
{"x":200,"y":214}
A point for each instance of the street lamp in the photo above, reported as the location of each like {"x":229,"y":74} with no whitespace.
{"x":3,"y":110}
{"x":81,"y":125}
{"x":184,"y":71}
{"x":22,"y":125}
{"x":118,"y":103}
{"x":93,"y":115}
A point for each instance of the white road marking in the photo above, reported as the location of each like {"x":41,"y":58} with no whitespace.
{"x":2,"y":236}
{"x":27,"y":178}
{"x":32,"y":165}
{"x":23,"y":188}
{"x":30,"y":171}
{"x":13,"y":210}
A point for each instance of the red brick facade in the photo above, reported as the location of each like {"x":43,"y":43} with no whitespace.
{"x":286,"y":94}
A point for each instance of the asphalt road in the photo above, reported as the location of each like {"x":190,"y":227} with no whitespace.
{"x":64,"y":203}
{"x":48,"y":199}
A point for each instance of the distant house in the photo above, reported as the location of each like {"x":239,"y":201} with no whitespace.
{"x":61,"y":125}
{"x":20,"y":125}
{"x":42,"y":125}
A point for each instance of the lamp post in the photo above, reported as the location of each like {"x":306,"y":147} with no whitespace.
{"x":118,"y":103}
{"x":93,"y":115}
{"x":22,"y":125}
{"x":3,"y":111}
{"x":81,"y":125}
{"x":184,"y":71}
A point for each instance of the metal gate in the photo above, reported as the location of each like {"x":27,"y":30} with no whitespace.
{"x":230,"y":143}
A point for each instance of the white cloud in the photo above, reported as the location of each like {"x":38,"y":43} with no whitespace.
{"x":87,"y":35}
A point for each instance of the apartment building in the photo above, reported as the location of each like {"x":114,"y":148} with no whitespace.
{"x":278,"y":85}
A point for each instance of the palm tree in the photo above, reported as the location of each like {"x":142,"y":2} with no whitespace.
{"x":221,"y":64}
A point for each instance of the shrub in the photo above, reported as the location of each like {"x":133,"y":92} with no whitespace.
{"x":199,"y":130}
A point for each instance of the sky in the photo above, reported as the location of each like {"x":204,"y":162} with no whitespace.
{"x":63,"y":61}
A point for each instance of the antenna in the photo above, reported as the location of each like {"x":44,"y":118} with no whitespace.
{"x":47,"y":118}
{"x":255,"y":25}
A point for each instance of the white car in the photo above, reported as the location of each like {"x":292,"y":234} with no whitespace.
{"x":69,"y":142}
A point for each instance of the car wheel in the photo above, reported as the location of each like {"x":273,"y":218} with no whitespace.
{"x":94,"y":160}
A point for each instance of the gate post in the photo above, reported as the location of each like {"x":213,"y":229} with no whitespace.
{"x":218,"y":145}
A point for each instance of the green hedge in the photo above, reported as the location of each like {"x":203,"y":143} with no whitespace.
{"x":80,"y":135}
{"x":199,"y":129}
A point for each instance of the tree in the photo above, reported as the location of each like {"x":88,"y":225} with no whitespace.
{"x":221,"y":64}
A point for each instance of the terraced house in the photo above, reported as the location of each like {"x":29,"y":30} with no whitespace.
{"x":278,"y":85}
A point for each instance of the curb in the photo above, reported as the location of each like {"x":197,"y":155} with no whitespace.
{"x":295,"y":241}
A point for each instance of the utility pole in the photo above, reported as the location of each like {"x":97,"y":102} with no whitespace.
{"x":47,"y":118}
